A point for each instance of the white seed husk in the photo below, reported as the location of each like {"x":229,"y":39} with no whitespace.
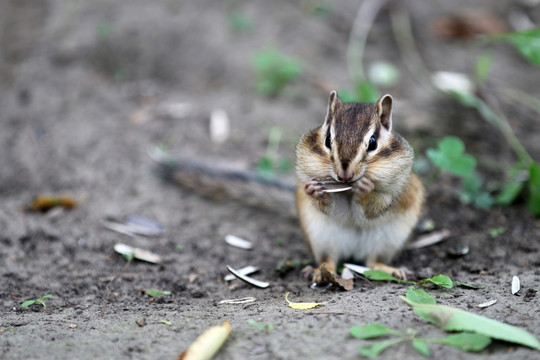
{"x":356,"y":268}
{"x":245,"y":300}
{"x":337,"y":189}
{"x":428,"y":240}
{"x":487,"y":303}
{"x":247,"y":279}
{"x":139,"y":254}
{"x":238,"y":242}
{"x":246,"y":270}
{"x":516,"y":285}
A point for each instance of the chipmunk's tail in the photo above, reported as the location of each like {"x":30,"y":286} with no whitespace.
{"x":225,"y":184}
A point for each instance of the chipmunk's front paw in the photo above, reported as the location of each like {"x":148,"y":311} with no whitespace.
{"x":315,"y":189}
{"x":362,"y":186}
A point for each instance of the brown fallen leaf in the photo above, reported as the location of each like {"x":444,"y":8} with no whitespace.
{"x":141,"y":322}
{"x":208,"y":343}
{"x":467,"y":25}
{"x":335,"y":279}
{"x":46,"y":202}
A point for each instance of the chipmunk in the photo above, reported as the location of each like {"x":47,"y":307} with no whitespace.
{"x":379,"y":201}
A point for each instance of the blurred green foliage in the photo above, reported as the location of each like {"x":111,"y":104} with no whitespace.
{"x":274,"y":71}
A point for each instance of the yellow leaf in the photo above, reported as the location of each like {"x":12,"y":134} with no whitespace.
{"x":208,"y":343}
{"x":302,"y":306}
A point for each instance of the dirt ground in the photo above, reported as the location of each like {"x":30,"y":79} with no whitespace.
{"x":87,"y":87}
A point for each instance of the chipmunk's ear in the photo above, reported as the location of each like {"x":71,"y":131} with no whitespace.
{"x":333,"y":103}
{"x":384,"y":110}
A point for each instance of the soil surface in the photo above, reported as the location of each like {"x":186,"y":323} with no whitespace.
{"x":87,"y":87}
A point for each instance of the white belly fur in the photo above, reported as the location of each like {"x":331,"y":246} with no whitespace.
{"x":357,"y":238}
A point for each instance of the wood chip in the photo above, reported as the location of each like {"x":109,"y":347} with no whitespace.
{"x":487,"y":303}
{"x":428,"y":240}
{"x":516,"y":285}
{"x":247,"y":279}
{"x":246,"y":270}
{"x":137,"y":253}
{"x":238,"y":242}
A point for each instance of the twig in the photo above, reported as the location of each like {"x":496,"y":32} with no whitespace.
{"x":357,"y":39}
{"x":109,"y":283}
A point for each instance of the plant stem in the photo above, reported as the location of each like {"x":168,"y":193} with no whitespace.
{"x":402,"y":30}
{"x":357,"y":39}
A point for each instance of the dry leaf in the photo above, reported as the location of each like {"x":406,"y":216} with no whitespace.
{"x":72,"y":326}
{"x":208,"y":343}
{"x":302,"y":306}
{"x":335,"y":279}
{"x":47,"y":202}
{"x":468,"y":24}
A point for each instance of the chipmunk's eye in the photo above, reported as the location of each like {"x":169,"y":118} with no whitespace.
{"x":372,"y":145}
{"x":328,"y":140}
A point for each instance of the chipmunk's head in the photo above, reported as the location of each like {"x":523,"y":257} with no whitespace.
{"x":356,"y":135}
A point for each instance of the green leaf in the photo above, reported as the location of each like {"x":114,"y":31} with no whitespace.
{"x":462,"y":165}
{"x":420,"y":346}
{"x":377,"y":348}
{"x":379,"y":275}
{"x":483,"y":65}
{"x":419,"y":296}
{"x":534,"y":189}
{"x":371,"y":331}
{"x":452,"y":319}
{"x":240,"y":22}
{"x":527,"y":42}
{"x":154,"y":292}
{"x":260,"y":326}
{"x":366,"y":92}
{"x":265,"y":167}
{"x":465,"y":341}
{"x":274,"y":70}
{"x":469,"y":286}
{"x":440,"y":280}
{"x":28,"y":303}
{"x":347,"y":96}
{"x":129,"y":256}
{"x":509,"y":193}
{"x":483,"y":200}
{"x":451,"y":146}
{"x":166,"y":322}
{"x":438,"y":158}
{"x":494,"y":232}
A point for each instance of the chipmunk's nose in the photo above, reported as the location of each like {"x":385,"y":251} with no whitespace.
{"x":345,"y":175}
